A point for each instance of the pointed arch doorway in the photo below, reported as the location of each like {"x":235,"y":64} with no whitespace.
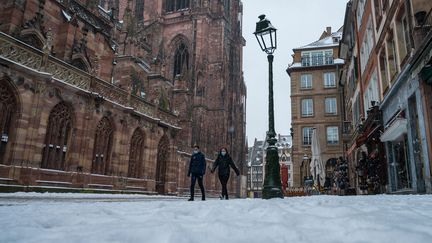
{"x":8,"y":111}
{"x":57,"y":138}
{"x":161,"y":164}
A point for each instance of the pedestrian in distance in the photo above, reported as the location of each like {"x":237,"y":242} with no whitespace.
{"x":224,"y":162}
{"x":197,"y":168}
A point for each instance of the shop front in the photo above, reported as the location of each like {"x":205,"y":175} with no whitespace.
{"x":406,"y":146}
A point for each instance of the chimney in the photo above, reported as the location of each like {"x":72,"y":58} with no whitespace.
{"x":328,"y":30}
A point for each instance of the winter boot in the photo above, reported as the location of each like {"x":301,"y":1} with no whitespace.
{"x":191,"y":195}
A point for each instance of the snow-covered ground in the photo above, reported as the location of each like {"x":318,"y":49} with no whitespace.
{"x":53,"y":217}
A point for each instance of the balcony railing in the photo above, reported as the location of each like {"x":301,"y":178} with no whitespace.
{"x":306,"y":62}
{"x":328,"y":60}
{"x":346,"y":131}
{"x":317,"y":61}
{"x":19,"y":52}
{"x":346,"y":128}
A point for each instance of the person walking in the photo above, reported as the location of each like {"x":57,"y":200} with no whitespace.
{"x":197,"y":167}
{"x":224,"y":162}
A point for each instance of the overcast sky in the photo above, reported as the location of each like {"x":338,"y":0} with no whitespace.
{"x":298,"y":23}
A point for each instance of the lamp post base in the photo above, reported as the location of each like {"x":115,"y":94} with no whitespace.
{"x":271,"y":192}
{"x":272,"y":187}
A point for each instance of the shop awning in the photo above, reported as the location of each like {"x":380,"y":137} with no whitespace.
{"x":395,"y":130}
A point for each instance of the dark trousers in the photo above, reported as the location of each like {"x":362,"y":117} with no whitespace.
{"x":194,"y":177}
{"x":224,"y":180}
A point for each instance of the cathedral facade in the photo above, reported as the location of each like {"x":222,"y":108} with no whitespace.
{"x":111,"y":95}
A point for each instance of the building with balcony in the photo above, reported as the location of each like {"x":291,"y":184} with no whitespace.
{"x":316,"y":101}
{"x":387,"y":48}
{"x":362,"y":96}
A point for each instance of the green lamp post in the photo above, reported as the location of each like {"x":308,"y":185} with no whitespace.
{"x":266,"y":37}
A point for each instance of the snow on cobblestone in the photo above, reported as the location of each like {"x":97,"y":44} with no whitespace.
{"x":318,"y":219}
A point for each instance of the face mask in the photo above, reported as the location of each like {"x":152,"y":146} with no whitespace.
{"x":195,"y":151}
{"x":223,"y":153}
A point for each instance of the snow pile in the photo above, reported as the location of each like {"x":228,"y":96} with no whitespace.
{"x":317,"y":219}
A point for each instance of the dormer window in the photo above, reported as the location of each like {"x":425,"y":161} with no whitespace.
{"x":317,"y":58}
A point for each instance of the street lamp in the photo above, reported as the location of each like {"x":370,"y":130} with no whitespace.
{"x":272,"y":187}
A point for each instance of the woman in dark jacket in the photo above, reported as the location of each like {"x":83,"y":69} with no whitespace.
{"x":224,"y":162}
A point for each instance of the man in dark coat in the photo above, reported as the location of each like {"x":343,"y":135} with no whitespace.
{"x":224,"y":162}
{"x":197,"y":168}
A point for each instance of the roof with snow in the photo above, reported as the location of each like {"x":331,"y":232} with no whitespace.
{"x":256,"y":153}
{"x":284,"y":141}
{"x":326,"y":40}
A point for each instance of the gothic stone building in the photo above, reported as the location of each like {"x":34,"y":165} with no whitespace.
{"x":112,"y":94}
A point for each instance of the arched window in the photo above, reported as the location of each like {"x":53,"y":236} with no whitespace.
{"x":7,"y":109}
{"x":136,"y":153}
{"x":175,"y":5}
{"x":139,"y":9}
{"x":56,"y":138}
{"x":32,"y":40}
{"x":181,"y":60}
{"x":102,"y":147}
{"x":80,"y":64}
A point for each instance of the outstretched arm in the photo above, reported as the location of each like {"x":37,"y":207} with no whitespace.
{"x":234,"y":167}
{"x":189,"y":170}
{"x":215,"y":164}
{"x":204,"y":165}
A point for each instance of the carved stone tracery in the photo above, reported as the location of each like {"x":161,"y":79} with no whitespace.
{"x":136,"y":154}
{"x":7,"y":109}
{"x":162,"y":164}
{"x":102,"y":147}
{"x":57,"y":137}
